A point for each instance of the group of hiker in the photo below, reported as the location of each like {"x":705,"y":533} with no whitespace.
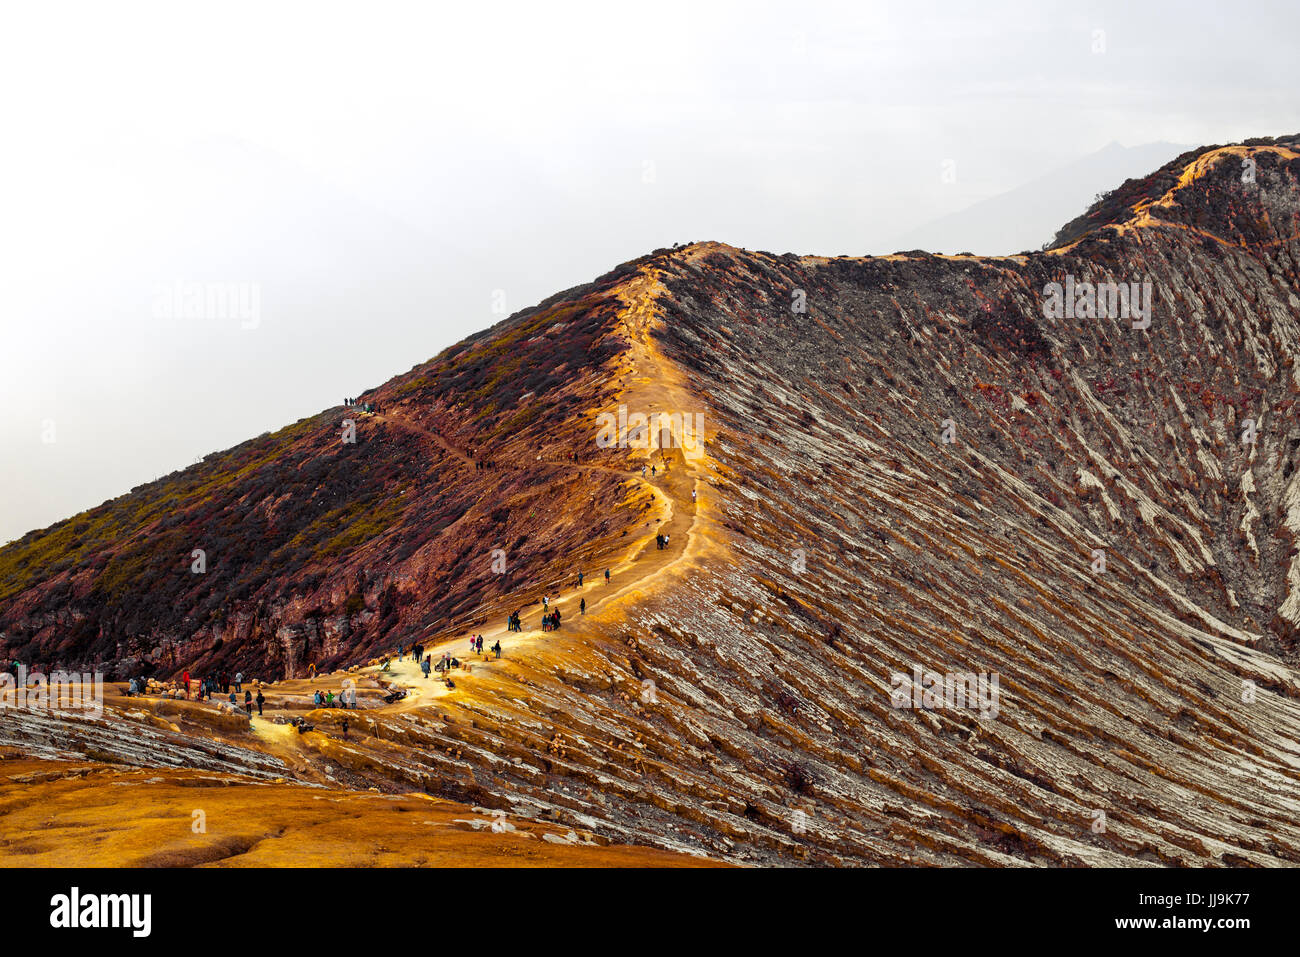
{"x":364,"y":406}
{"x":443,"y":667}
{"x":661,"y":541}
{"x":211,"y":684}
{"x":222,"y":683}
{"x":347,"y":698}
{"x":219,"y":684}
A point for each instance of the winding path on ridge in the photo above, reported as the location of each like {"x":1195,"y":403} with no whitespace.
{"x":671,"y":491}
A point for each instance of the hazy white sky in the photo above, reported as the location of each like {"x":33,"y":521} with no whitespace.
{"x":375,"y":172}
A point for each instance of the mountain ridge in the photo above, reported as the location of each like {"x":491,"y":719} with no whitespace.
{"x":907,"y":468}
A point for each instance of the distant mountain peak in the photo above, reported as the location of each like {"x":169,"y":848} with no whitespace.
{"x":1173,"y":194}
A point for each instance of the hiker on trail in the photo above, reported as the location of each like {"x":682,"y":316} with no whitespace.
{"x":480,"y":644}
{"x":659,"y":541}
{"x":666,"y":541}
{"x":185,"y":677}
{"x":419,"y":652}
{"x":248,"y":702}
{"x":318,"y":699}
{"x":329,"y":699}
{"x":132,"y":688}
{"x":233,"y":703}
{"x":239,"y":681}
{"x":582,"y":606}
{"x":311,"y":671}
{"x":579,"y":579}
{"x":261,"y":699}
{"x":643,"y":471}
{"x":545,"y":603}
{"x":424,"y":666}
{"x":606,"y":576}
{"x":497,"y":649}
{"x":652,"y":471}
{"x":345,"y":729}
{"x":556,"y":618}
{"x":692,"y":495}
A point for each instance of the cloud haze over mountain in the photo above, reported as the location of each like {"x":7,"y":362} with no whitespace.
{"x":1028,"y":216}
{"x":390,"y":188}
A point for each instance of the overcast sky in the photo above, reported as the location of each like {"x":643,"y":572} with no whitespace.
{"x":376,"y":178}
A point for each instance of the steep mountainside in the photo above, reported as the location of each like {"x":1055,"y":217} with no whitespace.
{"x":319,"y":549}
{"x":909,"y":463}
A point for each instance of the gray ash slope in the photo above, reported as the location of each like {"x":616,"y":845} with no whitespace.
{"x":1159,"y":692}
